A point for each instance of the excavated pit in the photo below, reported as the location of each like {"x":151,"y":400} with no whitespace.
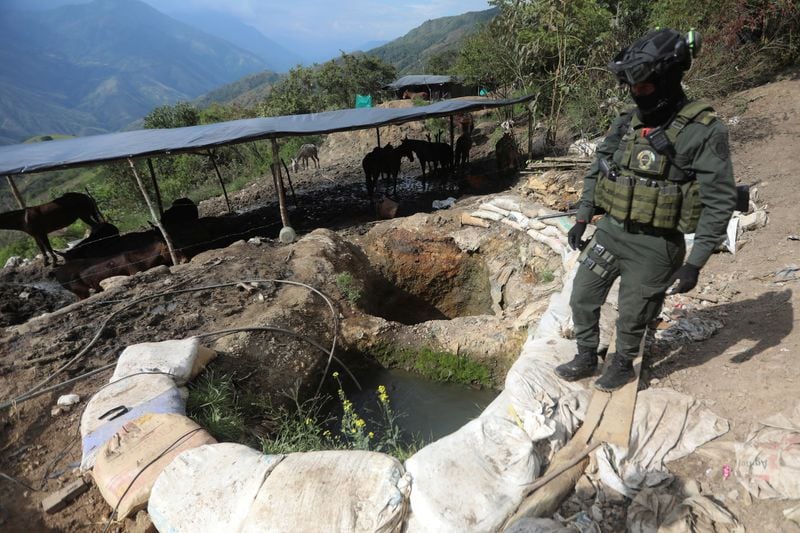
{"x":426,"y":277}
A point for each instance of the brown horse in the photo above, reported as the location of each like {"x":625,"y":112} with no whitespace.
{"x":410,"y":95}
{"x":39,"y":220}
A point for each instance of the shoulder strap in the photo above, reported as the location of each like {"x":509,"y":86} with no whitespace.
{"x":694,"y":111}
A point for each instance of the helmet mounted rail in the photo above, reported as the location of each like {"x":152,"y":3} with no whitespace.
{"x":656,"y":53}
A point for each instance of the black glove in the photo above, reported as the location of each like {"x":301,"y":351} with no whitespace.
{"x":575,"y":234}
{"x":686,"y":277}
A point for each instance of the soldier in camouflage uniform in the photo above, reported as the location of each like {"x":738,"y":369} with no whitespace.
{"x":662,"y":171}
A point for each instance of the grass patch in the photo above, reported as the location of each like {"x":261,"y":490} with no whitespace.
{"x":546,"y":276}
{"x":348,"y":287}
{"x":216,"y":403}
{"x":436,"y":365}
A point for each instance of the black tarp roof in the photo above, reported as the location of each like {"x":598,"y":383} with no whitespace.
{"x":419,"y":79}
{"x":95,"y":149}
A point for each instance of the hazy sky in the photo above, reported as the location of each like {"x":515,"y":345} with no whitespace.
{"x":345,"y":24}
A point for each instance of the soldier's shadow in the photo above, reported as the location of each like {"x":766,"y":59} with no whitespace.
{"x":751,"y":327}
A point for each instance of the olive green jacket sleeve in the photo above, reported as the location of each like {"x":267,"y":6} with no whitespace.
{"x":606,"y":150}
{"x":714,"y":172}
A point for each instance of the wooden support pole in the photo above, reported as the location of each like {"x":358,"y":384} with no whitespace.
{"x":155,"y":187}
{"x":530,"y":135}
{"x":378,"y":133}
{"x":156,"y":219}
{"x":15,"y":192}
{"x":287,"y":234}
{"x":219,"y":177}
{"x":452,"y":141}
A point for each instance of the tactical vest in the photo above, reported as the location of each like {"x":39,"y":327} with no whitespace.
{"x":650,"y":189}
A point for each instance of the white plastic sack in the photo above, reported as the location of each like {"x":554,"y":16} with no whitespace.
{"x":652,"y":511}
{"x":667,"y":425}
{"x":354,"y":491}
{"x":768,"y":462}
{"x":127,"y":466}
{"x":210,"y":488}
{"x":183,"y":359}
{"x":471,"y":480}
{"x":122,"y":401}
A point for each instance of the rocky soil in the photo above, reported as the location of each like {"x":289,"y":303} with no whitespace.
{"x":419,"y":279}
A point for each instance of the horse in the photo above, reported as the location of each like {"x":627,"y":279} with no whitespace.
{"x":390,"y":161}
{"x":372,"y":169}
{"x":83,"y":276}
{"x":463,"y":146}
{"x":182,"y":211}
{"x":306,"y":152}
{"x":39,"y":220}
{"x":410,"y":95}
{"x":430,"y":154}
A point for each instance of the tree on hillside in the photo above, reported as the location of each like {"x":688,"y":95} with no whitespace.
{"x":342,"y":79}
{"x":172,"y":116}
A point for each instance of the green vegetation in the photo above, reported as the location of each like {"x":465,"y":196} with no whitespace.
{"x":216,"y":403}
{"x":348,"y":287}
{"x":435,"y":365}
{"x":546,"y":276}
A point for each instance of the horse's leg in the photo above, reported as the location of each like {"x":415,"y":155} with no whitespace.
{"x":40,"y":242}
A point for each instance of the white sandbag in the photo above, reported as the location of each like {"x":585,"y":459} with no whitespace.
{"x":210,"y":488}
{"x":128,"y":464}
{"x":558,"y":317}
{"x":183,"y":359}
{"x":768,"y":461}
{"x":471,"y":480}
{"x":548,"y":408}
{"x":354,"y":491}
{"x":507,"y":203}
{"x":667,"y":426}
{"x":121,"y":402}
{"x":487,"y":206}
{"x":552,"y":242}
{"x":487,"y":215}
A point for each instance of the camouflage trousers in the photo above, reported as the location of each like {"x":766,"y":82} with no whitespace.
{"x":644,"y":263}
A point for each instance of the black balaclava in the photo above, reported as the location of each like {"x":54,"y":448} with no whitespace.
{"x":657,"y":108}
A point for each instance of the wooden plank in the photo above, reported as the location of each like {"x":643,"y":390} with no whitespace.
{"x":61,"y":498}
{"x":615,"y":427}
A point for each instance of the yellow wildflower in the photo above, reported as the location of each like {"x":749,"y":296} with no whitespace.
{"x":371,"y":435}
{"x":336,"y":374}
{"x":360,"y":423}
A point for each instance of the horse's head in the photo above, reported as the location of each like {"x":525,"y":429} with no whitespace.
{"x":405,"y":150}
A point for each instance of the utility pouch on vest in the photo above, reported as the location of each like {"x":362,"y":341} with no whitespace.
{"x":596,"y":258}
{"x":645,"y":196}
{"x":690,"y":207}
{"x":615,"y":196}
{"x":668,"y":207}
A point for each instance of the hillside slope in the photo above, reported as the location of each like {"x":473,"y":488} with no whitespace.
{"x":410,"y":53}
{"x":101,"y":65}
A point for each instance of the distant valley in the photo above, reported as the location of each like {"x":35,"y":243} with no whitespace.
{"x":102,"y":65}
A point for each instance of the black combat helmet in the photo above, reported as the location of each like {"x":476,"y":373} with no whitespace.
{"x":660,"y":58}
{"x":655,"y":54}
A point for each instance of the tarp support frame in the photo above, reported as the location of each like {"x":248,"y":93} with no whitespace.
{"x":156,"y":188}
{"x":15,"y":192}
{"x":156,"y":219}
{"x":278,"y":178}
{"x":219,"y":177}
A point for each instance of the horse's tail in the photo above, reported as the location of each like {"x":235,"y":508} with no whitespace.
{"x":96,"y":216}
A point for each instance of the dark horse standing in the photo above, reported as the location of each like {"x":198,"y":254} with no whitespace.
{"x":430,"y":154}
{"x":39,"y":220}
{"x":384,"y":161}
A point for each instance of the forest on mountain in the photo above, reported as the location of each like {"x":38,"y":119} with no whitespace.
{"x":553,"y":49}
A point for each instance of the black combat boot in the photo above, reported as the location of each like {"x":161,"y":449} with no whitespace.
{"x":583,"y":366}
{"x":618,"y":372}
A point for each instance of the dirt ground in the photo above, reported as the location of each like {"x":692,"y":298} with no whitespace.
{"x":746,"y":372}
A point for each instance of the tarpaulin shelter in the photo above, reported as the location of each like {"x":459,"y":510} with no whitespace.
{"x":24,"y":159}
{"x":436,"y":86}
